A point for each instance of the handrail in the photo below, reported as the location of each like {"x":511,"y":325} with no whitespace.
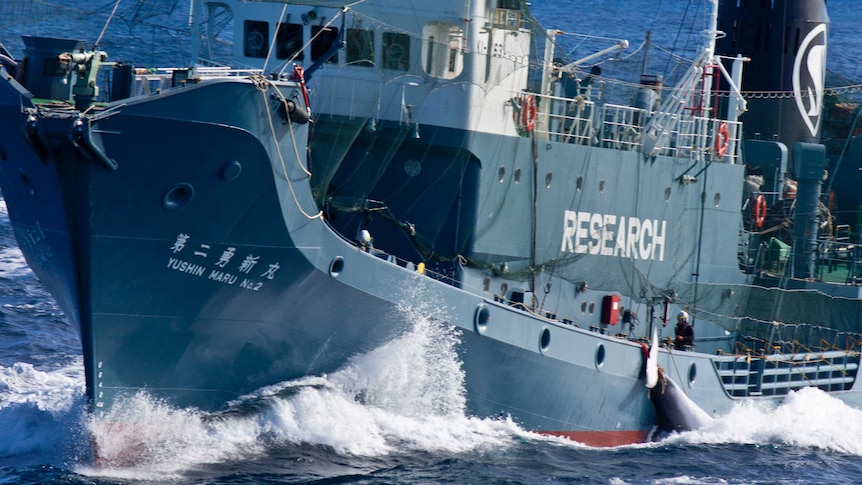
{"x":581,"y":121}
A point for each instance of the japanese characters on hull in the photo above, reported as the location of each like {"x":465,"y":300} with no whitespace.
{"x":223,"y":269}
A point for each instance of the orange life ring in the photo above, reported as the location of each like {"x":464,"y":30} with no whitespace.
{"x":759,"y":211}
{"x":528,"y":113}
{"x":721,"y":140}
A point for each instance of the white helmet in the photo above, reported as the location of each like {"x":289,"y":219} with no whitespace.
{"x":682,"y":315}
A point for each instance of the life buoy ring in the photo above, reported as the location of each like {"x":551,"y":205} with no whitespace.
{"x":528,"y":113}
{"x":758,"y":211}
{"x":721,"y":139}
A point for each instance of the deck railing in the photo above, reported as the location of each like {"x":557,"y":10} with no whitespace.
{"x":581,"y":121}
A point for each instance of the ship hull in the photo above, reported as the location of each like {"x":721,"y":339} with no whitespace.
{"x":133,"y":257}
{"x":183,"y":240}
{"x":177,"y":268}
{"x":184,"y":236}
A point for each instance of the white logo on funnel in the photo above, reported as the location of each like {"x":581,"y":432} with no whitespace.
{"x":814,"y":56}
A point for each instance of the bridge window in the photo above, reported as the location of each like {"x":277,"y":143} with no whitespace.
{"x":323,"y":38}
{"x":396,"y":51}
{"x":360,"y":47}
{"x":288,"y":42}
{"x":256,"y":38}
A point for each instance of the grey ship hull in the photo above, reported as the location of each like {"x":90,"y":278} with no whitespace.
{"x":164,"y":315}
{"x":177,"y":325}
{"x":183,"y":236}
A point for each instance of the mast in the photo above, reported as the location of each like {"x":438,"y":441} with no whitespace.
{"x":194,"y":30}
{"x":656,"y":134}
{"x":710,"y":34}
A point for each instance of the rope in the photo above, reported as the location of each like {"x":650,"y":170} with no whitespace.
{"x":292,"y":135}
{"x":262,"y":84}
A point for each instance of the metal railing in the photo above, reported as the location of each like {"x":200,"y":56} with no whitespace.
{"x":581,"y":121}
{"x":151,"y":80}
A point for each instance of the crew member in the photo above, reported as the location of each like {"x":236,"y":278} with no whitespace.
{"x":364,"y":240}
{"x":684,"y":332}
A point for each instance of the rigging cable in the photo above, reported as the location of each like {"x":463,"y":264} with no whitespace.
{"x":107,"y":22}
{"x":275,"y":38}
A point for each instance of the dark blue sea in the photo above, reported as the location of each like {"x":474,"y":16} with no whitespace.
{"x":412,"y":428}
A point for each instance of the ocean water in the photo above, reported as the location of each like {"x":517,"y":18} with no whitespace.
{"x":394,"y":415}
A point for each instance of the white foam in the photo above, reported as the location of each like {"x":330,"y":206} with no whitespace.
{"x":808,"y":418}
{"x":50,"y":391}
{"x":405,"y":396}
{"x":40,"y":410}
{"x":143,"y":438}
{"x":418,"y":374}
{"x":13,"y":264}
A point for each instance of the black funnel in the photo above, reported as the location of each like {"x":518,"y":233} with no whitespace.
{"x":786,"y":42}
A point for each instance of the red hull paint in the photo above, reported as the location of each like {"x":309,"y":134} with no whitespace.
{"x":602,"y":439}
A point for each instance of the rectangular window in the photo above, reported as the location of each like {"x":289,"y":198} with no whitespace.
{"x":360,"y":47}
{"x":396,"y":51}
{"x":323,"y":41}
{"x":256,"y":39}
{"x":288,"y":42}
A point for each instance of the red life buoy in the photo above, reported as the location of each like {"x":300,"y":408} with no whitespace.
{"x":759,"y":211}
{"x":721,"y":139}
{"x":528,"y":113}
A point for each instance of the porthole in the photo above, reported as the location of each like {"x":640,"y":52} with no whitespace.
{"x":583,"y":307}
{"x":178,"y":196}
{"x":545,"y":340}
{"x":548,"y":178}
{"x":395,"y":52}
{"x":230,"y":171}
{"x":501,"y":174}
{"x":481,"y":318}
{"x":592,"y":308}
{"x":579,"y":184}
{"x":412,"y":167}
{"x":692,"y":373}
{"x":255,"y":40}
{"x":336,"y":266}
{"x":600,"y":356}
{"x":717,"y":199}
{"x":667,"y":194}
{"x":601,"y":186}
{"x":517,"y":175}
